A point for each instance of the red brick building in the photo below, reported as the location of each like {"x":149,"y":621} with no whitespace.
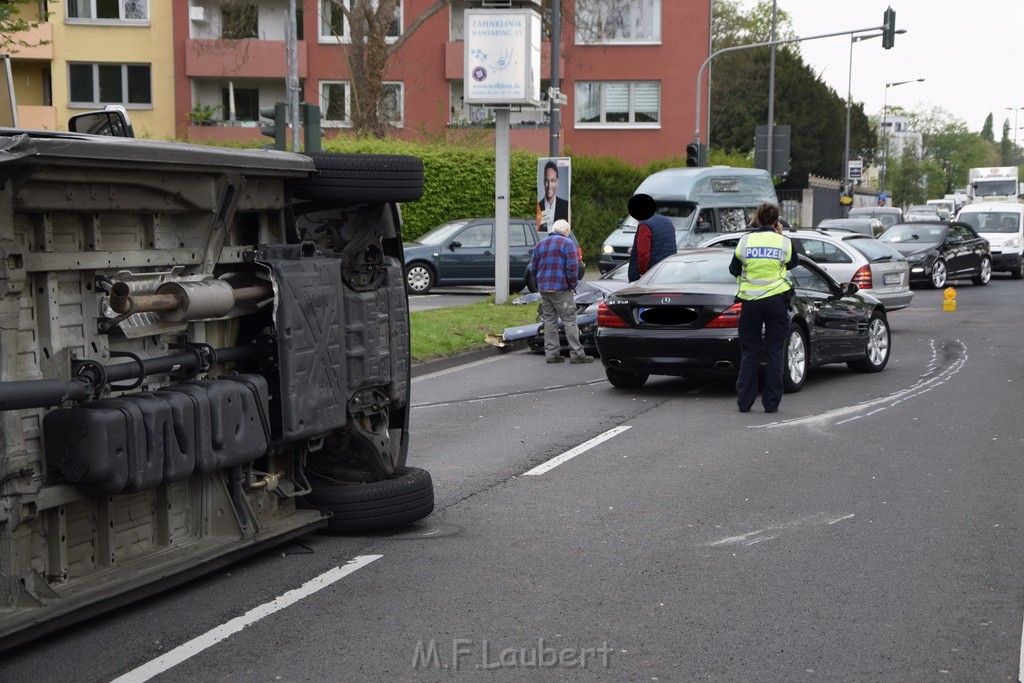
{"x":628,"y":67}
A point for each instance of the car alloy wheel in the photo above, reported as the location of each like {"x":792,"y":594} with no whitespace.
{"x":795,"y":365}
{"x":938,"y":274}
{"x":984,"y":272}
{"x":419,"y":278}
{"x":877,"y":347}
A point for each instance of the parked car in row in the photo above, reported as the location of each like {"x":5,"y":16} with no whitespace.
{"x":889,"y":215}
{"x":462,"y":252}
{"x":938,"y":251}
{"x":924,"y":212}
{"x":681,"y":318}
{"x":875,"y":268}
{"x":871,"y":227}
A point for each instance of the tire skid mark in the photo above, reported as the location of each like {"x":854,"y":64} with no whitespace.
{"x":765,"y":534}
{"x":507,"y":394}
{"x":946,"y":360}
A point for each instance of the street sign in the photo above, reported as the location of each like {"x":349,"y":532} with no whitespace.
{"x":856,"y":169}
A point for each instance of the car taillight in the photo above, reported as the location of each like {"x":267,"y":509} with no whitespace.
{"x":730,"y":317}
{"x":862,"y":278}
{"x":606,"y":317}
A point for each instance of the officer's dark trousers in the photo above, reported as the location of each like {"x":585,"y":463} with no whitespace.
{"x":773,"y":314}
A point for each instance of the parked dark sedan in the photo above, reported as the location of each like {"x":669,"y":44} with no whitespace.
{"x":461,"y":252}
{"x":681,"y":319}
{"x":939,"y":251}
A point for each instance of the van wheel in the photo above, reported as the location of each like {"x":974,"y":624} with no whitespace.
{"x":407,"y":496}
{"x":362,"y":179}
{"x":1018,"y":272}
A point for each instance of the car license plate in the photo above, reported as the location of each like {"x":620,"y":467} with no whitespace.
{"x":892,"y":278}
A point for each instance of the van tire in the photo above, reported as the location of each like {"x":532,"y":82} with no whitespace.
{"x":1018,"y":272}
{"x":362,"y":179}
{"x":408,"y":496}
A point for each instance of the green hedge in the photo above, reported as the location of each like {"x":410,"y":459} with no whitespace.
{"x":459,"y":183}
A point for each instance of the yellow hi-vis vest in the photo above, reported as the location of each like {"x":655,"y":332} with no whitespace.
{"x":764,"y":255}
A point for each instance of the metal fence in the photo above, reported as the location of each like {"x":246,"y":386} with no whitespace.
{"x":790,"y":205}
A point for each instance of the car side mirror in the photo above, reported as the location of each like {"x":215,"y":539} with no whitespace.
{"x":848,"y":288}
{"x":112,"y":121}
{"x":703,"y":227}
{"x":453,"y":245}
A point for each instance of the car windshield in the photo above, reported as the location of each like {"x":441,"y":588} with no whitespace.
{"x":991,"y":221}
{"x":853,"y":225}
{"x":995,"y":188}
{"x":706,"y":266}
{"x":442,"y":233}
{"x":902,"y":232}
{"x":620,"y":273}
{"x":887,"y":217}
{"x":874,"y":250}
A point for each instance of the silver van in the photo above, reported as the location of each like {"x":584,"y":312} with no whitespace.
{"x":702,"y":202}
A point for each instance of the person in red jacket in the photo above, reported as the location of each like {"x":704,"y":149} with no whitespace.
{"x":655,"y":236}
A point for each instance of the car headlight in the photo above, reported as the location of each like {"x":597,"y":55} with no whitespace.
{"x":916,"y":258}
{"x":607,"y":249}
{"x":1012,"y":243}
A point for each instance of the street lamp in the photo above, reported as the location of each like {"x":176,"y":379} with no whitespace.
{"x":885,"y":133}
{"x":849,"y":101}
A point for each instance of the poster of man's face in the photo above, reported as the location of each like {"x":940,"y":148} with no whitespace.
{"x":553,"y":180}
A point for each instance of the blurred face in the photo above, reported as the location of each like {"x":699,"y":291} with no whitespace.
{"x":550,"y":184}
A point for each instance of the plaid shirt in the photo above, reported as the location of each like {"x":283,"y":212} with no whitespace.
{"x":554,"y":264}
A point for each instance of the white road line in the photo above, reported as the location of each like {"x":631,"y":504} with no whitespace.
{"x":570,"y":454}
{"x":193,"y":647}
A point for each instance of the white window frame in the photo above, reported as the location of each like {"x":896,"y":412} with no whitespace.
{"x":323,"y":37}
{"x":635,"y":8}
{"x":603,"y":122}
{"x":347,"y":122}
{"x":76,"y":104}
{"x":92,"y":12}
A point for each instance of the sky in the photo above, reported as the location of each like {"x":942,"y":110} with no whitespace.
{"x":969,"y":53}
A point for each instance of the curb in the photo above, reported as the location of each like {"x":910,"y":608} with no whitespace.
{"x":426,"y":367}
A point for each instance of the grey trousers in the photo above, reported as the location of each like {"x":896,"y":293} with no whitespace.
{"x":555,"y":306}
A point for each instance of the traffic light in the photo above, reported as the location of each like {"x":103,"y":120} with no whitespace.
{"x":693,"y":154}
{"x":889,"y":28}
{"x":278,"y":128}
{"x":312,"y":132}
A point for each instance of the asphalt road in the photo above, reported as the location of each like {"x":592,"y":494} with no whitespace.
{"x":869,"y":531}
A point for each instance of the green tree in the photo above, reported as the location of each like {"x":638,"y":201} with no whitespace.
{"x":987,"y":132}
{"x":17,"y":17}
{"x":949,"y":146}
{"x":1005,"y":145}
{"x":739,"y":97}
{"x":906,"y":177}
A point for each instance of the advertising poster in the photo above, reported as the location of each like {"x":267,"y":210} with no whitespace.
{"x":554,"y":179}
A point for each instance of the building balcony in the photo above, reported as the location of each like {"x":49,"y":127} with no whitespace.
{"x":41,"y":33}
{"x":37,"y":117}
{"x":240,"y":59}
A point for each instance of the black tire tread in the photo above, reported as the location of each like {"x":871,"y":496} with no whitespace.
{"x":369,"y":178}
{"x":375,"y":505}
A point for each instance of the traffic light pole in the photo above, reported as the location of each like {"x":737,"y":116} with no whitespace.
{"x":770,"y":43}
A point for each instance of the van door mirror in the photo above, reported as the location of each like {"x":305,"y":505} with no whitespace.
{"x":704,"y":227}
{"x":110,"y":121}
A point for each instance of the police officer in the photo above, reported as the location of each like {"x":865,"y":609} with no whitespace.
{"x":760,"y":264}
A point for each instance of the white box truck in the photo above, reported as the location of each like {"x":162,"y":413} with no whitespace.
{"x":993,"y":184}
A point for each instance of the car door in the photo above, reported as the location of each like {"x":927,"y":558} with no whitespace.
{"x":960,"y":252}
{"x":468,"y":257}
{"x":833,"y":259}
{"x":520,"y":248}
{"x":836,"y":325}
{"x":976,"y":247}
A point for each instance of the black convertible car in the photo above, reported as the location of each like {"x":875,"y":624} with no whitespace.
{"x":681,"y":318}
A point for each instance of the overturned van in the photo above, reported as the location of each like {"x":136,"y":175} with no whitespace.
{"x":701,"y":202}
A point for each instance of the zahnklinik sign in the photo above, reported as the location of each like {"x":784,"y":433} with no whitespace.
{"x":502,"y":57}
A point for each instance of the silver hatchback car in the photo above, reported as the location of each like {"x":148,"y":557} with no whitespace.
{"x":875,"y":268}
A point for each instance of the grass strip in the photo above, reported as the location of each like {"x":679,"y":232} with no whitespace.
{"x":442,"y":332}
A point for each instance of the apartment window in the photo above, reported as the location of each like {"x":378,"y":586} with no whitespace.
{"x":239,"y":21}
{"x":610,"y":103}
{"x":108,"y":10}
{"x":247,"y":104}
{"x":93,"y":85}
{"x":334,"y":25}
{"x":618,"y":21}
{"x":335,"y":103}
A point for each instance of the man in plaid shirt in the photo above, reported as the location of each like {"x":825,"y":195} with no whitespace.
{"x":555,"y":267}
